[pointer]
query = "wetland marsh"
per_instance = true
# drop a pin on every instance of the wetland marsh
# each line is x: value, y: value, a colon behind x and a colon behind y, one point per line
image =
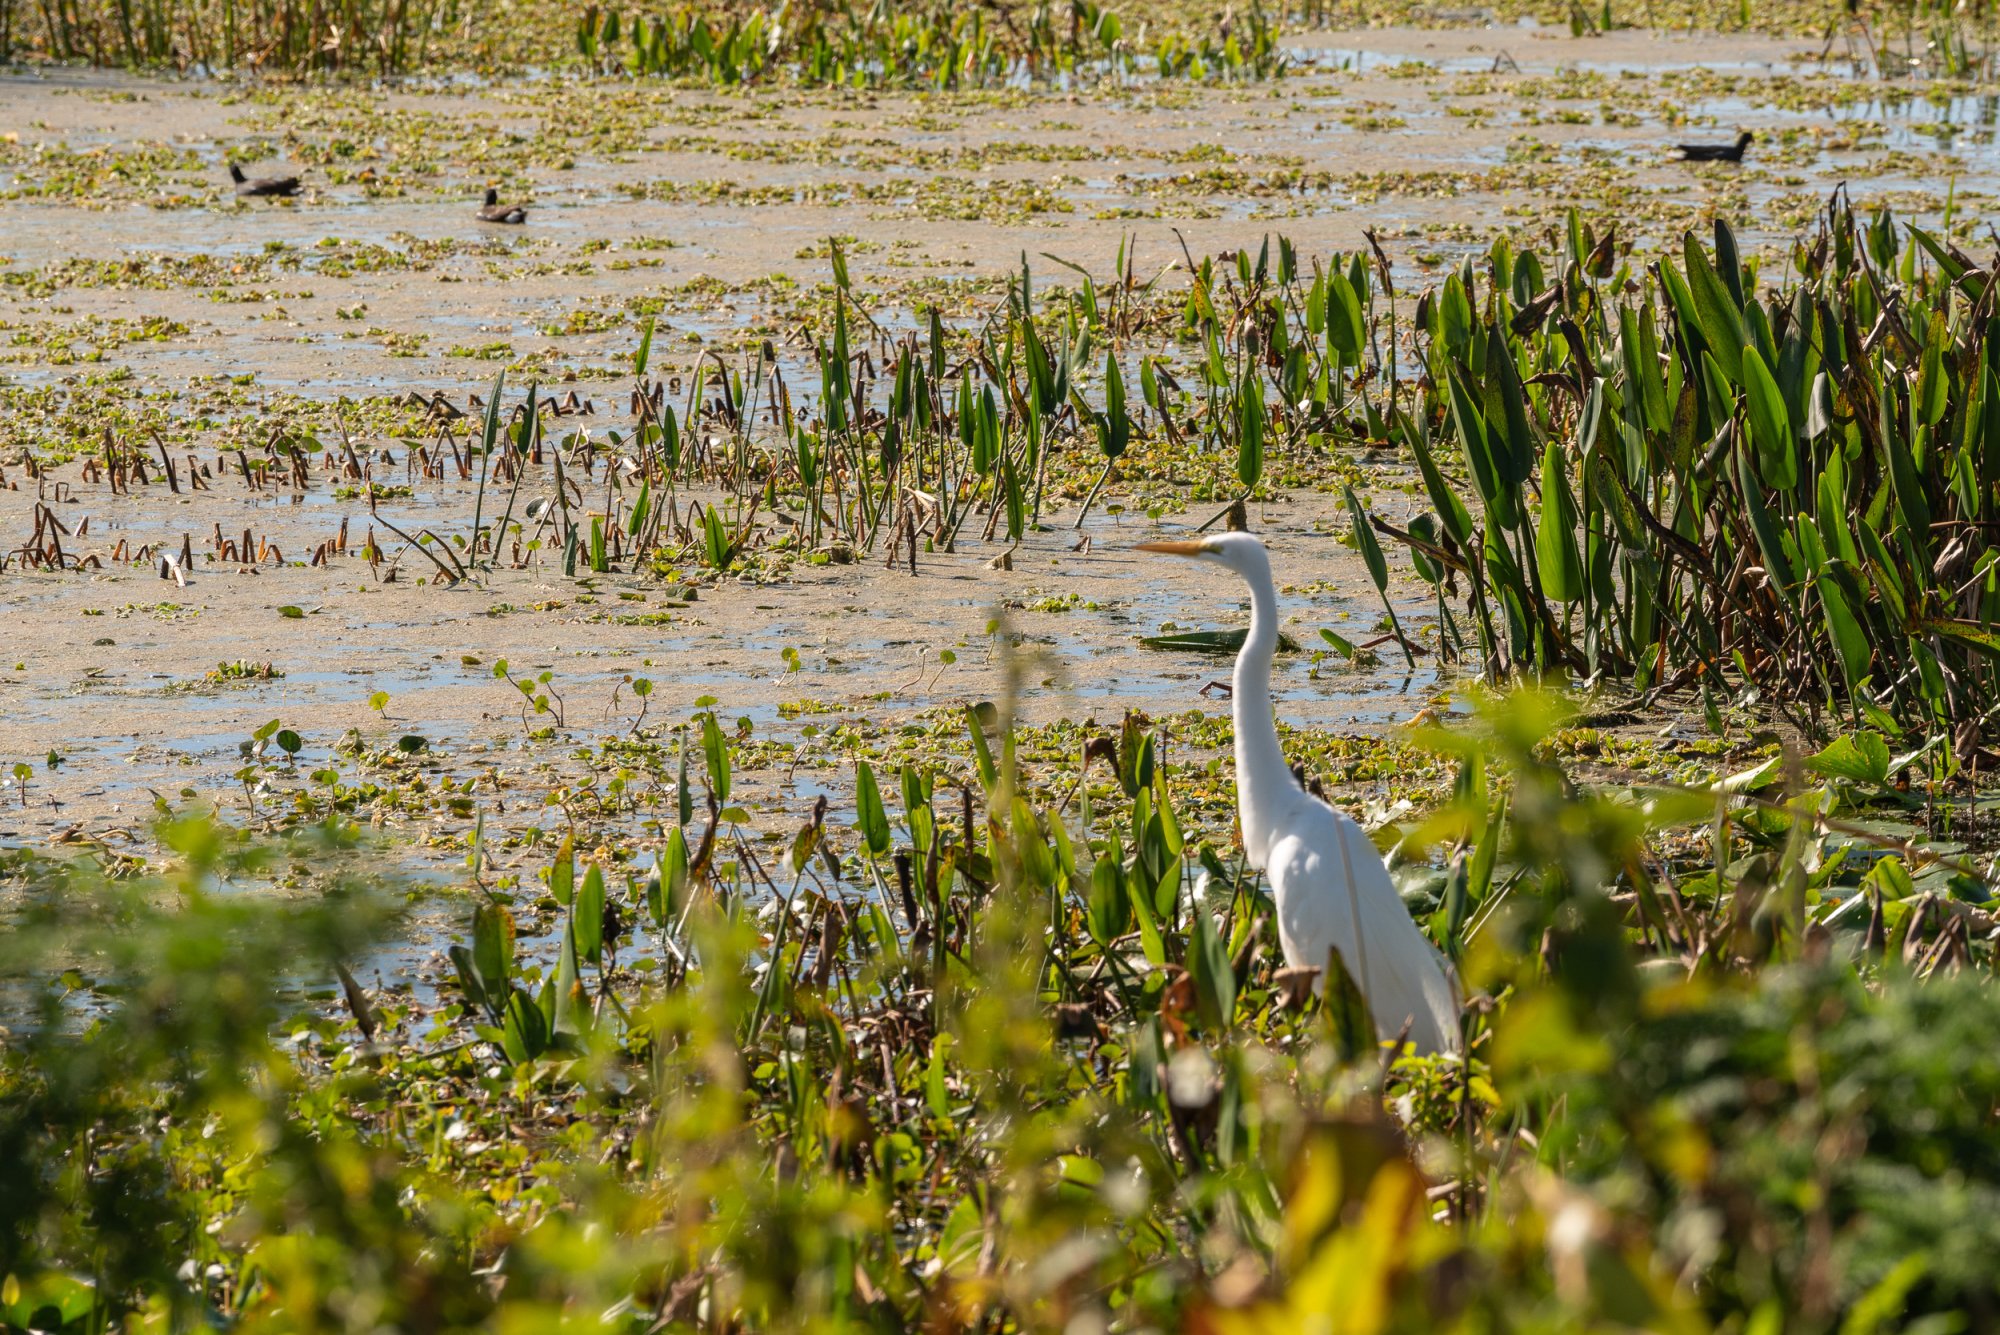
x: 624, y: 770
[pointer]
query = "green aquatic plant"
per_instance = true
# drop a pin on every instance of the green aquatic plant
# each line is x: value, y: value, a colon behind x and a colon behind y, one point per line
x: 908, y: 1059
x: 366, y: 36
x: 818, y: 42
x: 1780, y: 489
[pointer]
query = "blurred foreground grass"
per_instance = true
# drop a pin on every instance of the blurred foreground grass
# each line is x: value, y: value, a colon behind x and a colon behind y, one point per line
x: 1002, y: 1065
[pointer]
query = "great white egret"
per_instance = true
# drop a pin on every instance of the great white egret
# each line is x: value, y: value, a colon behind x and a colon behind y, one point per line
x: 1332, y: 888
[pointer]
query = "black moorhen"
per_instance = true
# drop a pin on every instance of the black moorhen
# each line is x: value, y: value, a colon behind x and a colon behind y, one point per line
x: 496, y: 212
x: 262, y: 187
x: 1716, y: 152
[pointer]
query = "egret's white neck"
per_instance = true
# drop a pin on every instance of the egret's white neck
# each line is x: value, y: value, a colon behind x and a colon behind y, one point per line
x: 1263, y: 780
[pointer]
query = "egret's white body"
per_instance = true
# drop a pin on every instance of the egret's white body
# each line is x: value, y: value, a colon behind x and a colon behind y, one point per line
x: 1332, y: 889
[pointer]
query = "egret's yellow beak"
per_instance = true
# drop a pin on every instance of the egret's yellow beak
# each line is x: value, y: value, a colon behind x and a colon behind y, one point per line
x: 1175, y: 548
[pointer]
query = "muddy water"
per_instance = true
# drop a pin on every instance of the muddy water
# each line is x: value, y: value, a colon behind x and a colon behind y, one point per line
x: 112, y: 679
x: 1417, y: 134
x: 115, y: 664
x: 383, y: 285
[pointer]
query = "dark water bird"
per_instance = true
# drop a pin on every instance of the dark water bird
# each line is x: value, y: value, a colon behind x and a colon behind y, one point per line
x: 496, y: 212
x: 1716, y: 152
x: 262, y: 187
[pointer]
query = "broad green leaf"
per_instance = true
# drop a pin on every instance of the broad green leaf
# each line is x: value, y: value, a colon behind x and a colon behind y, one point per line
x: 716, y: 749
x: 562, y: 872
x: 1556, y: 554
x: 1451, y: 510
x: 1473, y: 439
x: 1770, y: 424
x: 468, y: 976
x: 874, y: 818
x: 989, y: 773
x: 1761, y: 775
x: 1110, y: 907
x: 1149, y: 929
x: 490, y: 429
x: 645, y: 352
x: 590, y: 916
x: 493, y: 946
x: 1364, y: 539
x: 1953, y: 269
x: 936, y: 1094
x: 1933, y: 384
x: 1214, y: 978
x: 1728, y: 266
x: 1345, y: 327
x: 525, y: 1029
x: 1117, y: 431
x: 1769, y: 541
x: 1721, y: 320
x: 1251, y: 424
x: 671, y: 887
x: 1170, y: 829
x: 1862, y: 757
x: 1849, y: 640
x: 572, y: 1006
x: 1983, y: 638
x: 1509, y: 435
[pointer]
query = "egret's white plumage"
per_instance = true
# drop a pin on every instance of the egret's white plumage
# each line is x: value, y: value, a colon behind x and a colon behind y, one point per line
x: 1332, y: 889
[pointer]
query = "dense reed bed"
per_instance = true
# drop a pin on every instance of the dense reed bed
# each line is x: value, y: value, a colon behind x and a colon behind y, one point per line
x: 902, y: 44
x: 804, y: 41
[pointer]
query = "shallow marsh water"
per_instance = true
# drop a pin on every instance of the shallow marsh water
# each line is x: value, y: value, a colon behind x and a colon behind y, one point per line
x: 129, y: 280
